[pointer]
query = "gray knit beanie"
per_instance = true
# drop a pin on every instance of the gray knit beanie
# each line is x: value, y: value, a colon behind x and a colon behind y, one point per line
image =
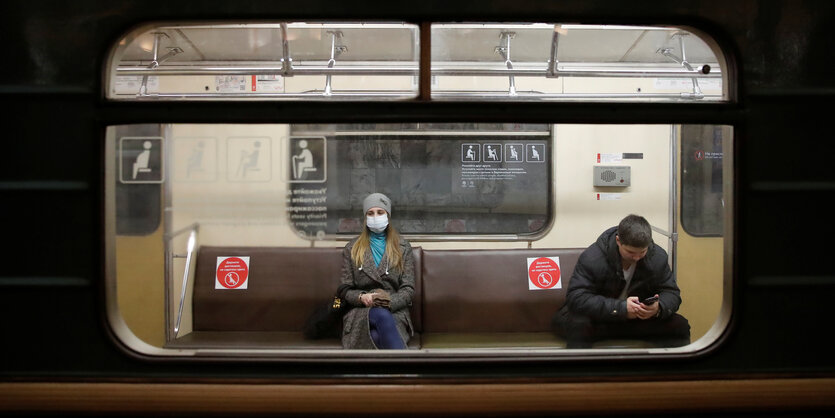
x: 376, y: 200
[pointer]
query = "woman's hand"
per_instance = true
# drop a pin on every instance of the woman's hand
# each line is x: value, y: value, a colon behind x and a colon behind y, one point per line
x: 367, y: 299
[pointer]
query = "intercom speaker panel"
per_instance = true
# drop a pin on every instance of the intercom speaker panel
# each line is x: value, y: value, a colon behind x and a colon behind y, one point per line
x: 612, y: 176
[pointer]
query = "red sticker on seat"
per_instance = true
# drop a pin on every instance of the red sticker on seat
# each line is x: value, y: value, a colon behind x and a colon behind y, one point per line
x: 232, y: 273
x: 544, y: 273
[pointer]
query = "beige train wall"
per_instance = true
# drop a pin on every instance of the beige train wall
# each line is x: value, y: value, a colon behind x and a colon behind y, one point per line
x: 231, y: 211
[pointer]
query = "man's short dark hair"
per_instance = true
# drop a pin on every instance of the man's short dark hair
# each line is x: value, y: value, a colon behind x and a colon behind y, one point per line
x: 635, y: 231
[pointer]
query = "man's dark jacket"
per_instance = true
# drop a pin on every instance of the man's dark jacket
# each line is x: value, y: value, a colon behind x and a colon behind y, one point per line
x: 598, y: 280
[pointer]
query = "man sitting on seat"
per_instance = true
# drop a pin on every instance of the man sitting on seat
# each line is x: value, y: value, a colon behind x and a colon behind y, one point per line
x: 611, y: 292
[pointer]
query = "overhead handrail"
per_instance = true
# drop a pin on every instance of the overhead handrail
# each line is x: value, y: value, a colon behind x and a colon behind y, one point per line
x: 566, y: 69
x: 446, y: 94
x: 667, y: 52
x: 155, y: 62
x: 536, y: 95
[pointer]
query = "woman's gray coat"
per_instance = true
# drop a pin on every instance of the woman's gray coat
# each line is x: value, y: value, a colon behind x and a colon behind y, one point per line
x: 364, y: 279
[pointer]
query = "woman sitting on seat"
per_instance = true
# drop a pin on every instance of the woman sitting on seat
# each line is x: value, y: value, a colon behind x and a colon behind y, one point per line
x: 378, y: 271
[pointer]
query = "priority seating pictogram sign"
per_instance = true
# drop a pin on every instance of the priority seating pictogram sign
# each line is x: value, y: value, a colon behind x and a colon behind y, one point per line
x: 232, y: 273
x: 544, y: 273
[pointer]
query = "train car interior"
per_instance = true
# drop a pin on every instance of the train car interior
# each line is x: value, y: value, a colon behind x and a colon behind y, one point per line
x: 483, y: 204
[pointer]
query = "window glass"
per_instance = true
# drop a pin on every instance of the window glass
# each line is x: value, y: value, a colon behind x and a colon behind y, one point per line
x: 702, y: 201
x: 138, y: 201
x: 501, y: 61
x: 182, y: 199
x: 380, y: 61
x: 266, y: 61
x: 448, y: 180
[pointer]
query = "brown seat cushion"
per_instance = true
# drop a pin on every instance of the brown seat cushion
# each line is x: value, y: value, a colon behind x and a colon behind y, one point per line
x: 475, y: 291
x: 285, y: 285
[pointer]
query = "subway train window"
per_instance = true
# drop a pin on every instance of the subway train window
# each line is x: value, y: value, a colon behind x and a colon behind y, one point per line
x: 500, y: 61
x: 243, y: 229
x: 266, y: 61
x: 381, y: 61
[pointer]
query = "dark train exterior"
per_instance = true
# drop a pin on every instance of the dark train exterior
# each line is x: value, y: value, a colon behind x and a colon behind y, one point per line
x: 57, y: 346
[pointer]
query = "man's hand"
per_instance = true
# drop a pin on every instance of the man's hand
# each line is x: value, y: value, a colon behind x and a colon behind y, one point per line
x: 636, y: 309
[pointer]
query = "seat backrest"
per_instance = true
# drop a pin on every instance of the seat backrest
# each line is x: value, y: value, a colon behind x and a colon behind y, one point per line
x: 489, y: 291
x: 284, y: 286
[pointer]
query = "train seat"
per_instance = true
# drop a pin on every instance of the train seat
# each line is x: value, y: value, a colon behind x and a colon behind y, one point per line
x: 283, y: 287
x: 485, y: 298
x: 463, y: 298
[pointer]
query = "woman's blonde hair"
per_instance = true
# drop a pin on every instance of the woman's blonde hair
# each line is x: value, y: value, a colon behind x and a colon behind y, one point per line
x: 393, y: 252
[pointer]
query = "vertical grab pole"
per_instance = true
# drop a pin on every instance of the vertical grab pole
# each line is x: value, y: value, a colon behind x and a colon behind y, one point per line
x: 504, y: 51
x: 191, y: 240
x: 554, y: 62
x: 331, y: 62
x: 673, y: 196
x: 286, y: 62
x: 336, y: 50
x: 143, y: 88
x: 697, y: 90
x: 511, y: 79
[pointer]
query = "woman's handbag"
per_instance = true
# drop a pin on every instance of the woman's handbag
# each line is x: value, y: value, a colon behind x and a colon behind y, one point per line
x: 326, y: 320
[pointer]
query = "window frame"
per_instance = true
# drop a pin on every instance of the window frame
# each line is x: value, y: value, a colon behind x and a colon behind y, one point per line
x: 724, y: 113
